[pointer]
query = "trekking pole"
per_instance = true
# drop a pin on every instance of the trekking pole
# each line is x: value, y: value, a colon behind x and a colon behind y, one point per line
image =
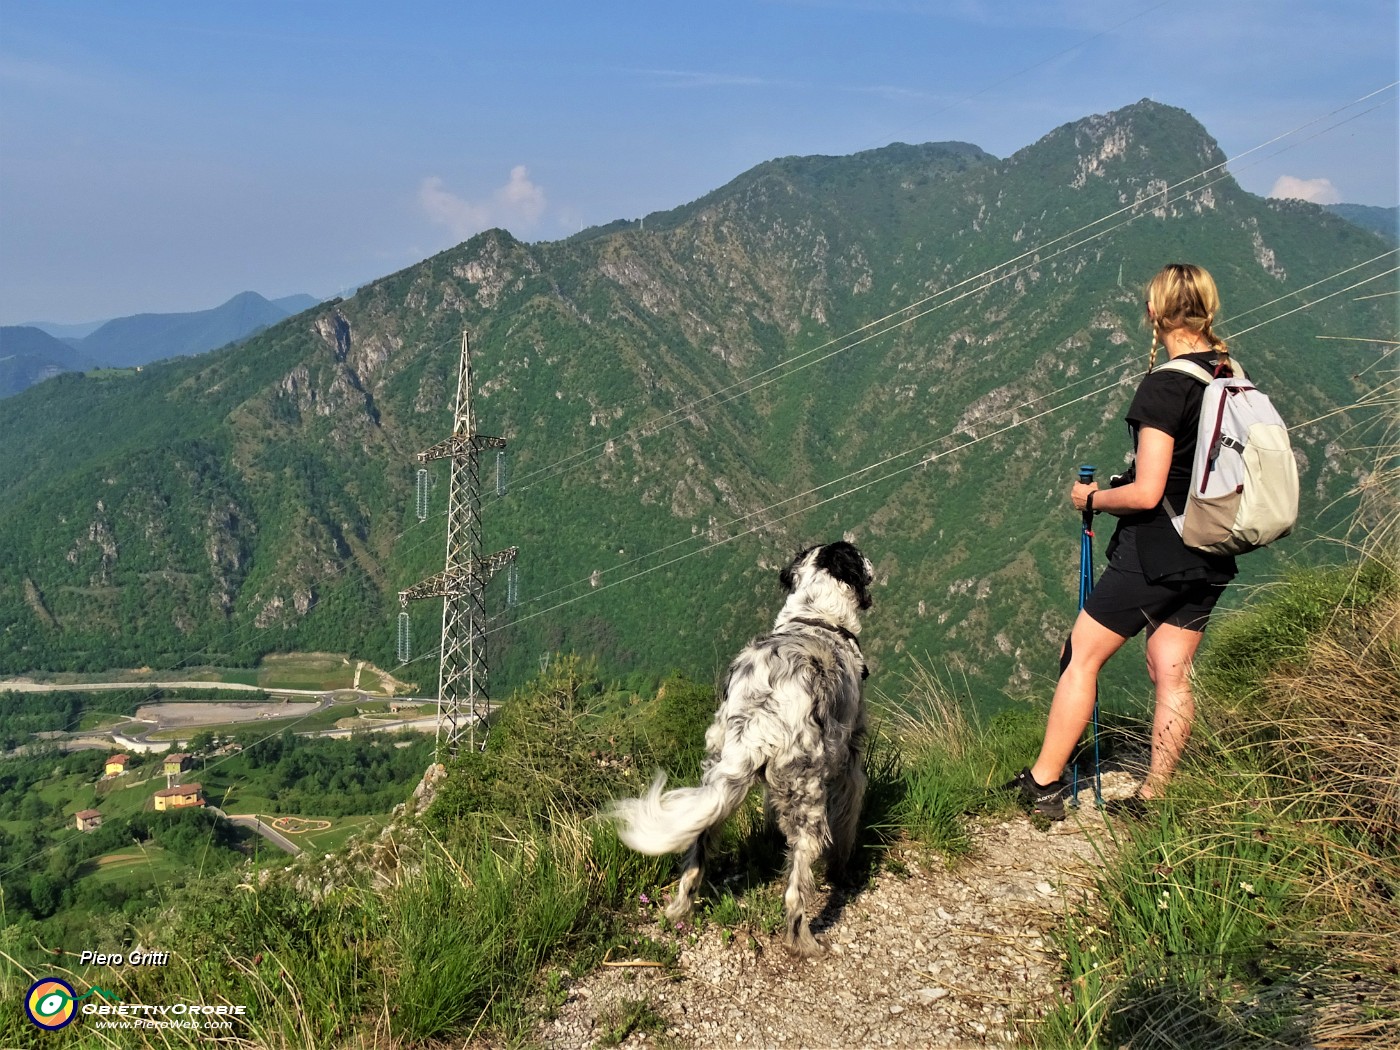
x: 1086, y: 584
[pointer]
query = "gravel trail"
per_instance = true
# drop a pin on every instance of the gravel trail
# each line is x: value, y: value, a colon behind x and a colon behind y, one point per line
x: 922, y: 956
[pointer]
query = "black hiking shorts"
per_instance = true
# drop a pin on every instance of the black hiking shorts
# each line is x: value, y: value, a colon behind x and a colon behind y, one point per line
x: 1125, y: 603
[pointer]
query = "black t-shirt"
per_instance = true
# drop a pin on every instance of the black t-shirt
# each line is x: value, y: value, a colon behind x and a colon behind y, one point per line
x: 1171, y: 402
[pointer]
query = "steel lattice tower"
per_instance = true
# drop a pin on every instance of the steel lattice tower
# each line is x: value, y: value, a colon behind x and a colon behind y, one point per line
x: 462, y: 686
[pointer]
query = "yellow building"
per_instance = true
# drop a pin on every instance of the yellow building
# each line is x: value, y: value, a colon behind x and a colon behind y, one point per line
x: 116, y: 764
x: 175, y: 764
x: 179, y: 796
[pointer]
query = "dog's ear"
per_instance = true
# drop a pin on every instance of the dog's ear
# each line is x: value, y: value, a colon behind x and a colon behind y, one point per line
x: 843, y: 561
x: 788, y: 577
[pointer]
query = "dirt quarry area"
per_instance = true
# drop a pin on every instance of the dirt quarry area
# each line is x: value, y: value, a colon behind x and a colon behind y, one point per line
x: 172, y: 716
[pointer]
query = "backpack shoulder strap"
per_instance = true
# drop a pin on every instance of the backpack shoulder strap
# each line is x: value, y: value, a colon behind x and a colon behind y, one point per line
x: 1189, y: 368
x: 1205, y: 375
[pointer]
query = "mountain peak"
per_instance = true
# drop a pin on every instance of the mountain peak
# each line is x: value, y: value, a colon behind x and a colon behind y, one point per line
x: 1146, y: 146
x: 243, y: 300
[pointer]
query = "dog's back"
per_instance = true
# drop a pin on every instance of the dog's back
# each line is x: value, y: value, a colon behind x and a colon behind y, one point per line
x: 789, y: 695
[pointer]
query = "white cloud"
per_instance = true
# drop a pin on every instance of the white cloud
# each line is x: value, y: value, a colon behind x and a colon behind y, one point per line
x: 518, y: 205
x: 522, y: 197
x: 1318, y: 191
x: 460, y: 216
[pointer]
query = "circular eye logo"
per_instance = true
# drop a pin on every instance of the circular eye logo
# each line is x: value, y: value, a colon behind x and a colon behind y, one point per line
x: 49, y: 1003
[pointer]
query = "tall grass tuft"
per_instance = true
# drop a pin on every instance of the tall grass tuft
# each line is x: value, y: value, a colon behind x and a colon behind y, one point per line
x: 470, y: 932
x: 951, y: 758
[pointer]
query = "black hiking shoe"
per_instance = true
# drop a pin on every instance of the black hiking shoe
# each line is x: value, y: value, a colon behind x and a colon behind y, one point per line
x: 1046, y: 799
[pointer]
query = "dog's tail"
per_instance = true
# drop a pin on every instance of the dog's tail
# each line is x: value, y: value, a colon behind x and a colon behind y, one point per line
x: 669, y: 821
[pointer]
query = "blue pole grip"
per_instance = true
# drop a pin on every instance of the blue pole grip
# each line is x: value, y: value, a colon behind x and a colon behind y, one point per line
x: 1086, y: 473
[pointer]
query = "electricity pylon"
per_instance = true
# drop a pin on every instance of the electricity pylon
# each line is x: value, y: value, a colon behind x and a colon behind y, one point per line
x: 463, y: 699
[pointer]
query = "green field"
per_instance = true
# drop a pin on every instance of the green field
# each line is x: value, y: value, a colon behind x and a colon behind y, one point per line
x: 101, y: 720
x: 224, y: 729
x: 238, y: 798
x: 316, y: 671
x: 306, y: 671
x: 149, y: 863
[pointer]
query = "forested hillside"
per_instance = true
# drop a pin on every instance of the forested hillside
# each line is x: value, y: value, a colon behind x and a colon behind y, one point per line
x: 912, y: 347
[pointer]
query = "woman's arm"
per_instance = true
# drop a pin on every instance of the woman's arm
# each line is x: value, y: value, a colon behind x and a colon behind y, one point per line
x: 1153, y: 461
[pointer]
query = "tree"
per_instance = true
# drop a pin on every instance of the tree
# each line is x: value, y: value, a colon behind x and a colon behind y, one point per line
x: 45, y: 894
x: 32, y: 808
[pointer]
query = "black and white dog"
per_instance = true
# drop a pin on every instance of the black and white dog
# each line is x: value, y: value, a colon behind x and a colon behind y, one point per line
x: 792, y: 714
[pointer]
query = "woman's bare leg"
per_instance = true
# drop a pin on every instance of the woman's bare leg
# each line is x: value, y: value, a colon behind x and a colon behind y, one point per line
x: 1091, y: 644
x: 1170, y: 651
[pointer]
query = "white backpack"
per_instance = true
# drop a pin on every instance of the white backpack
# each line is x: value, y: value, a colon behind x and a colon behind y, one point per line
x: 1244, y: 480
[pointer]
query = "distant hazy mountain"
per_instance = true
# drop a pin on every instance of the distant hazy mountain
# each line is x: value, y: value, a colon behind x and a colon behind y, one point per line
x: 74, y: 333
x: 137, y: 340
x: 29, y: 356
x: 295, y: 304
x: 66, y: 332
x: 1384, y: 221
x: 143, y: 338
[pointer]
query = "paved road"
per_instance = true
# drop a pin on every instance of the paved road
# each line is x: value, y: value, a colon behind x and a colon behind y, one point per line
x: 267, y: 831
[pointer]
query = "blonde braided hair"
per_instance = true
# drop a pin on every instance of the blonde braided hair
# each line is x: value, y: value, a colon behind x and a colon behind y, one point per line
x: 1183, y: 296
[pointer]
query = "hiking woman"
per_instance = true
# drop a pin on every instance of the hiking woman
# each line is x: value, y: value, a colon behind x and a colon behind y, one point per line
x: 1153, y: 580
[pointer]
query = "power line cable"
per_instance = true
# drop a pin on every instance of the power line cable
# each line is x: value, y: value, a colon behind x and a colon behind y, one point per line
x: 828, y: 484
x: 803, y: 510
x: 1329, y: 295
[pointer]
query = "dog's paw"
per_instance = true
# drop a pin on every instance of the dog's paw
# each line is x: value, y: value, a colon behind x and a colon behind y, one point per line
x: 804, y: 945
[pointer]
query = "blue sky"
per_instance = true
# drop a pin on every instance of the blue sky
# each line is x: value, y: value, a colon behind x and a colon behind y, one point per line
x: 159, y: 156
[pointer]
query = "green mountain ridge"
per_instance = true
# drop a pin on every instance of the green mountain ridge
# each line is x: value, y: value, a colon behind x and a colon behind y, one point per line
x: 913, y: 347
x: 1384, y: 222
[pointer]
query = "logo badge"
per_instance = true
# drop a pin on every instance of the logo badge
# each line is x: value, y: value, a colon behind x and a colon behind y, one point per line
x: 49, y: 1003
